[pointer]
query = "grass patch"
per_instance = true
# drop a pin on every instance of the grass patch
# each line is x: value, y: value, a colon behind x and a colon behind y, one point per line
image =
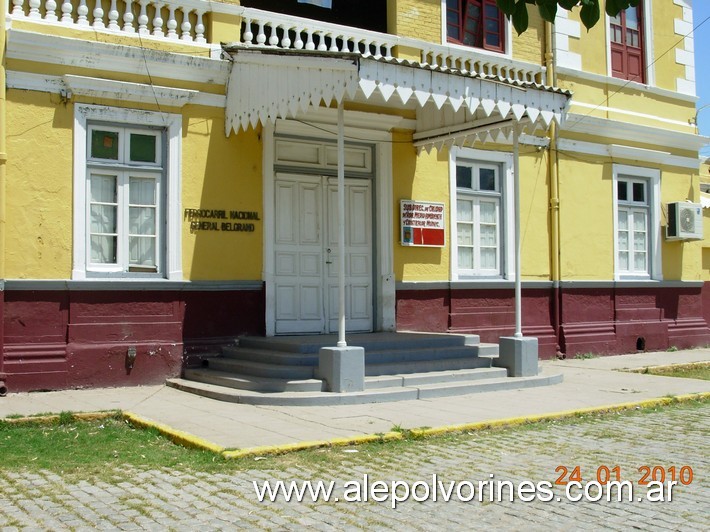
x: 70, y: 445
x: 700, y: 370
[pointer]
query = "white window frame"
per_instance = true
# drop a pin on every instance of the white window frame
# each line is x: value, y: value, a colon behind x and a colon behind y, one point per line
x: 507, y: 24
x: 170, y: 252
x: 652, y: 178
x: 504, y: 161
x: 648, y: 55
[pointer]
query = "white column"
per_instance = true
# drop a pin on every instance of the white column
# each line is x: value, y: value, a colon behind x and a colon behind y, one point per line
x: 341, y: 226
x: 516, y: 214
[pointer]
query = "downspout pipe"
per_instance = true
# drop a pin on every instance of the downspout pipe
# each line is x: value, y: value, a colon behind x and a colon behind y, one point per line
x: 3, y: 169
x: 553, y: 172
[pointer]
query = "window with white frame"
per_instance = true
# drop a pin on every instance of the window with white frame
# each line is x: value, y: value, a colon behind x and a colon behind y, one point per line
x: 636, y: 222
x: 124, y: 199
x: 126, y: 194
x: 478, y: 218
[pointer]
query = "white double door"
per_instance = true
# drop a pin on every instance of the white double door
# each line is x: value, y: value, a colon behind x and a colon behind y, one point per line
x: 306, y: 255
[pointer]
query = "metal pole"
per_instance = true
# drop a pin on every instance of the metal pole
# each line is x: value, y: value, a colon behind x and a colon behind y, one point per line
x: 341, y: 226
x: 516, y: 213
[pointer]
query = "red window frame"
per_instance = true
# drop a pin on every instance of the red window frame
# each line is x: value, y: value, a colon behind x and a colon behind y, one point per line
x: 627, y: 47
x: 477, y: 23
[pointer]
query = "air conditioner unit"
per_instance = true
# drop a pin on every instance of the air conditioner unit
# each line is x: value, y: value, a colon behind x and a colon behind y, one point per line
x: 685, y: 221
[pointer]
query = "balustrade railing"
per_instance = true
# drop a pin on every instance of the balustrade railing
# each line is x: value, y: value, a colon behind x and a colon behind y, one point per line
x: 267, y: 29
x: 186, y: 21
x: 183, y: 20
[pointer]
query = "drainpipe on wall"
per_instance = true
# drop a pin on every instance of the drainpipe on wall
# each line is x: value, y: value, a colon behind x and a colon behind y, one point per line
x: 3, y: 164
x: 553, y: 172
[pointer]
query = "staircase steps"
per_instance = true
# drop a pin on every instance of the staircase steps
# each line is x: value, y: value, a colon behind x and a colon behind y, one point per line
x: 398, y: 366
x: 370, y: 395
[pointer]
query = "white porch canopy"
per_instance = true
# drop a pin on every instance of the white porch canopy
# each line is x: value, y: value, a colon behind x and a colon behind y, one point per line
x: 452, y: 106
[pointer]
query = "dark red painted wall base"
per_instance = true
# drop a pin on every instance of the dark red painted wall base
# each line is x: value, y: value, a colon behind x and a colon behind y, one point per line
x: 592, y: 320
x: 82, y: 339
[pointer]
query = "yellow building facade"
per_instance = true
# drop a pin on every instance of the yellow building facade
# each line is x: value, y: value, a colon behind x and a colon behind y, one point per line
x: 170, y: 179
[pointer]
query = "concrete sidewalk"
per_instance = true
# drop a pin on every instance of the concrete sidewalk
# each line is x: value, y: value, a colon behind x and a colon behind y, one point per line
x: 587, y: 383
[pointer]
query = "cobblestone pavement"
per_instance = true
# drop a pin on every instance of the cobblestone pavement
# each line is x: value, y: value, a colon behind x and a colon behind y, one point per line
x: 181, y: 500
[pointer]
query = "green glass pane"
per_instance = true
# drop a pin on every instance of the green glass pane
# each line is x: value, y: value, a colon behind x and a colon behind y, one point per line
x: 621, y: 191
x: 143, y: 148
x: 104, y: 144
x: 464, y: 177
x: 487, y: 179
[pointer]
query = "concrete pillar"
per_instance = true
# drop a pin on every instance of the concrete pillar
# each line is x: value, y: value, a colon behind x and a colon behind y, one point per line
x: 518, y: 355
x: 342, y: 368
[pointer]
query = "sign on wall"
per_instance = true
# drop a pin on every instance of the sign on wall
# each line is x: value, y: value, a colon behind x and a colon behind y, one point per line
x: 221, y: 220
x: 422, y: 223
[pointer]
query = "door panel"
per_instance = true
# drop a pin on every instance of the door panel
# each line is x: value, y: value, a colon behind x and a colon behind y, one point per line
x: 298, y: 254
x: 358, y: 252
x: 306, y: 255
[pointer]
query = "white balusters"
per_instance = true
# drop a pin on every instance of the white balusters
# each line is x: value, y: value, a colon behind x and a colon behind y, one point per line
x: 67, y: 9
x: 333, y: 42
x: 50, y: 14
x: 98, y: 15
x: 158, y: 22
x: 82, y: 12
x: 298, y: 43
x: 273, y: 37
x: 248, y: 36
x: 186, y: 26
x: 113, y: 16
x: 185, y: 21
x: 143, y: 18
x: 128, y: 18
x: 17, y: 10
x: 200, y: 29
x: 321, y: 42
x: 34, y: 9
x: 261, y: 36
x: 286, y: 40
x: 172, y: 23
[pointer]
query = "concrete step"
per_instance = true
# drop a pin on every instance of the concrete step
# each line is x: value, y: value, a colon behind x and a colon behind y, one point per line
x: 433, y: 377
x: 390, y: 356
x: 369, y: 341
x: 374, y: 395
x: 253, y: 383
x: 222, y: 393
x: 424, y: 366
x: 402, y: 353
x: 262, y: 369
x: 488, y: 385
x: 487, y: 350
x: 270, y: 356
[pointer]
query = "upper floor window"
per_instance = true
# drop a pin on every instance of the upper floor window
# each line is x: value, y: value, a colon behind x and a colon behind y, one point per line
x: 627, y: 45
x: 477, y: 23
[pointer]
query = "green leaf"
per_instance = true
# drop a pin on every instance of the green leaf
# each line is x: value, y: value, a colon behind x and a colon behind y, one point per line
x: 548, y: 9
x: 589, y: 14
x: 520, y: 17
x: 568, y: 4
x: 506, y: 6
x: 612, y: 7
